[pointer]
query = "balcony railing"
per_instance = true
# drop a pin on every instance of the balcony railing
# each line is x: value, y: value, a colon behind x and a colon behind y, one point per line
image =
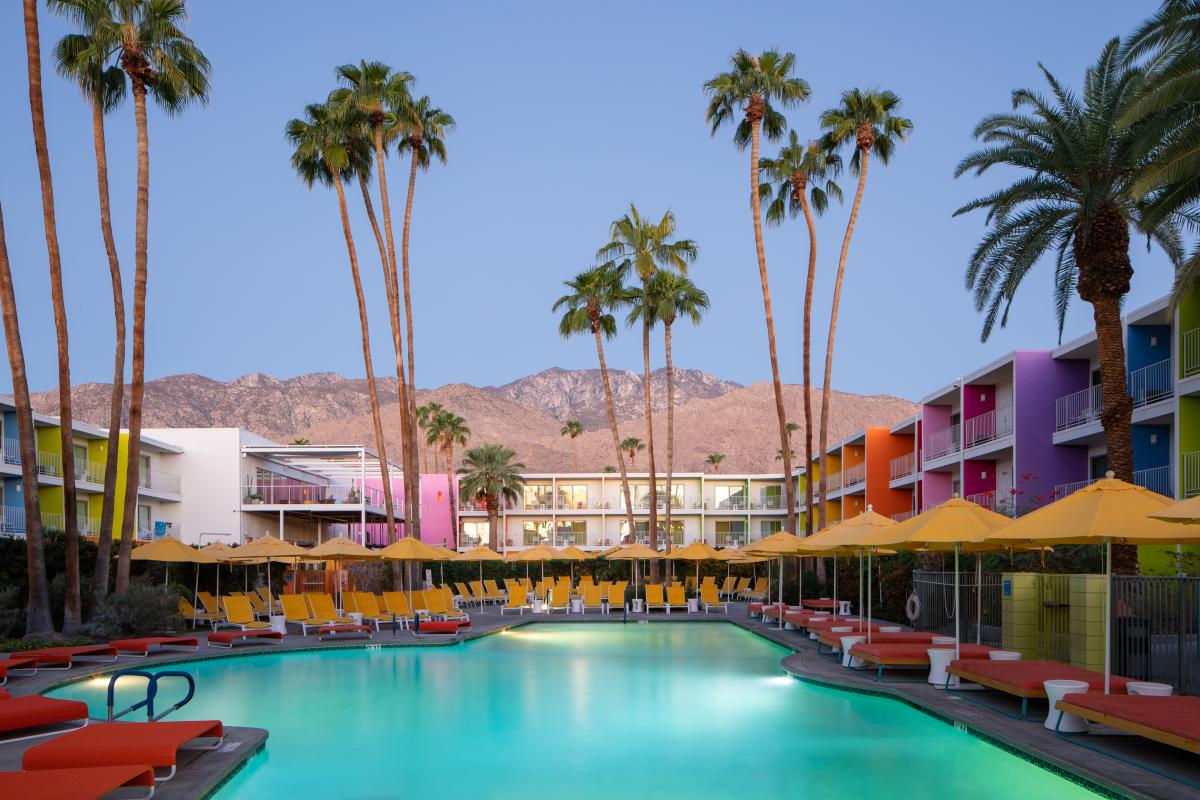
x: 1152, y: 383
x: 12, y: 520
x: 903, y: 515
x: 985, y: 499
x: 731, y: 538
x: 49, y: 463
x: 159, y: 481
x: 732, y: 504
x: 1189, y: 353
x: 1078, y: 408
x: 767, y: 503
x: 854, y: 475
x: 988, y: 427
x: 89, y: 471
x: 1064, y: 489
x: 272, y: 493
x: 940, y: 444
x: 833, y: 481
x: 903, y: 466
x: 1156, y: 479
x: 1191, y: 474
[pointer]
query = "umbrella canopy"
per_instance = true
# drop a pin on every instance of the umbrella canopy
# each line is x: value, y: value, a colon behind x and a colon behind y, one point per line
x: 848, y: 535
x: 956, y: 521
x: 480, y: 553
x: 171, y: 551
x: 269, y: 547
x: 221, y: 552
x: 780, y: 543
x: 411, y: 548
x: 539, y: 552
x: 632, y: 552
x: 696, y: 551
x: 1105, y: 512
x: 341, y: 549
x: 573, y: 553
x: 1186, y: 512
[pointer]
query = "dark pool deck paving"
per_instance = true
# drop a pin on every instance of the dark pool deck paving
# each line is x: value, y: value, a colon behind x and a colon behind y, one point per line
x: 205, y: 772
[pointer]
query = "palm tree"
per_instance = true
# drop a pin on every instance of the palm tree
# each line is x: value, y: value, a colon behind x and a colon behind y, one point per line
x: 673, y: 296
x: 1077, y: 202
x: 802, y: 176
x: 779, y: 454
x: 37, y: 603
x: 419, y: 128
x: 609, y: 468
x: 426, y: 415
x: 490, y: 476
x: 78, y: 57
x: 632, y: 445
x: 593, y: 295
x: 574, y: 429
x: 638, y: 243
x: 146, y: 40
x: 750, y: 88
x: 329, y: 151
x: 373, y: 90
x: 714, y: 460
x: 72, y: 616
x: 868, y: 119
x: 446, y: 430
x: 300, y: 442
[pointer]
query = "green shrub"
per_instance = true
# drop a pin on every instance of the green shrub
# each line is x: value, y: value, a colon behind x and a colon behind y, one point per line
x: 142, y: 609
x: 12, y: 612
x: 20, y: 645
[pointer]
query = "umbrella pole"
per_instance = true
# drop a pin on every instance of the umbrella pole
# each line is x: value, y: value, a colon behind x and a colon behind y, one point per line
x: 868, y: 596
x: 196, y: 587
x: 1108, y: 607
x: 957, y: 624
x: 978, y: 599
x: 835, y: 602
x: 780, y: 609
x: 860, y: 590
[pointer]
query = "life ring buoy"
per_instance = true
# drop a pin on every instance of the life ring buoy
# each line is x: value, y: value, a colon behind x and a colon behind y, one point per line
x: 912, y: 609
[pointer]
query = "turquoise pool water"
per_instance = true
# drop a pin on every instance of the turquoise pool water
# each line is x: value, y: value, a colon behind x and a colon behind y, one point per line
x: 597, y: 711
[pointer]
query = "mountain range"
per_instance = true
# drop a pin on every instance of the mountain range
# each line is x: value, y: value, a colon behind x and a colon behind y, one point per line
x: 711, y: 415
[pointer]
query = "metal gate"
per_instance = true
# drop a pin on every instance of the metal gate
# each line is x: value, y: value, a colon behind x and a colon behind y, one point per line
x: 1054, y: 618
x: 1155, y: 622
x: 979, y: 604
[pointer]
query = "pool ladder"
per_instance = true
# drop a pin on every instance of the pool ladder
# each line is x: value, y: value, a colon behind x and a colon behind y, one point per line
x: 152, y: 679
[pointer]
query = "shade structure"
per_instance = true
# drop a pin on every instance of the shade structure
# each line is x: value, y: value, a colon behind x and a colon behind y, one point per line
x: 633, y: 553
x: 169, y: 551
x: 1185, y: 512
x: 697, y: 552
x: 339, y: 550
x: 410, y: 548
x: 481, y: 554
x: 266, y: 549
x: 572, y: 553
x: 778, y: 544
x: 1108, y: 511
x: 447, y: 555
x: 540, y: 553
x: 221, y: 552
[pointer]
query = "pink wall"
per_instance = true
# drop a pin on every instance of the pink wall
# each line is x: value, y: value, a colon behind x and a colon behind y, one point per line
x: 972, y: 476
x: 978, y: 398
x: 435, y: 511
x: 938, y: 489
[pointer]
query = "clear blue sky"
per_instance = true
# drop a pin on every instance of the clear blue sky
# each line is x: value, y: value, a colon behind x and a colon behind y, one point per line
x: 566, y: 113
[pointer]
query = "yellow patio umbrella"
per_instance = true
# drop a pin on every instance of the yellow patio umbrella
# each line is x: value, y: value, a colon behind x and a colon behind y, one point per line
x: 697, y: 552
x: 220, y: 552
x: 780, y: 543
x: 169, y: 550
x: 447, y: 555
x: 573, y: 554
x: 266, y: 549
x: 633, y: 553
x: 339, y: 550
x: 481, y: 554
x: 1108, y: 511
x: 410, y: 548
x: 846, y: 537
x: 539, y: 552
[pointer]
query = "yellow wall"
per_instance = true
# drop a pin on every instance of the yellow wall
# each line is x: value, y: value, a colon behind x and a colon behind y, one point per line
x: 119, y: 488
x: 49, y: 439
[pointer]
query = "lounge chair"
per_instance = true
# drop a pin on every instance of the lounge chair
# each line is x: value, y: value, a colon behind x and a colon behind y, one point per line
x: 295, y: 612
x: 654, y: 597
x: 509, y: 583
x: 321, y: 605
x: 727, y: 587
x: 759, y: 592
x: 616, y: 596
x: 397, y: 603
x: 110, y: 744
x: 144, y: 646
x: 416, y: 601
x: 604, y: 587
x: 239, y: 614
x: 708, y: 580
x: 210, y: 603
x: 65, y: 657
x: 742, y: 585
x: 256, y: 603
x: 516, y: 600
x: 560, y: 599
x: 464, y: 594
x: 366, y: 605
x: 226, y: 639
x: 35, y: 712
x: 435, y: 604
x: 1026, y: 679
x: 893, y: 654
x: 479, y: 594
x: 676, y: 598
x: 189, y: 611
x: 593, y: 598
x: 79, y: 783
x: 709, y: 598
x: 833, y: 639
x: 494, y: 591
x: 15, y: 664
x: 272, y: 603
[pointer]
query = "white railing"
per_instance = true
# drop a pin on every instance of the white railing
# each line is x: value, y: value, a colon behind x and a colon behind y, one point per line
x: 988, y: 427
x: 940, y: 444
x: 1078, y: 408
x: 88, y: 526
x: 732, y: 504
x: 985, y: 499
x: 1189, y: 352
x: 1191, y: 474
x: 89, y: 471
x: 767, y: 503
x: 903, y: 466
x: 1063, y: 489
x: 53, y: 522
x: 159, y: 481
x: 12, y: 451
x: 833, y: 482
x: 854, y: 475
x: 1152, y: 383
x: 284, y: 492
x: 903, y: 515
x: 12, y: 520
x: 49, y: 463
x: 1156, y: 479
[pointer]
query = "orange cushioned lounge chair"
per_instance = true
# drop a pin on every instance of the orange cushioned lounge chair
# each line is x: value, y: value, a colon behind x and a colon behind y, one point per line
x: 110, y: 744
x: 833, y: 639
x: 65, y: 657
x: 884, y: 655
x: 144, y: 646
x: 1026, y: 679
x: 26, y: 713
x: 16, y: 665
x: 85, y: 783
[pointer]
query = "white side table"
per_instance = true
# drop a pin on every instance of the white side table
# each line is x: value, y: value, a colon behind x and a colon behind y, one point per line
x: 577, y: 605
x: 1149, y: 688
x: 812, y: 635
x: 848, y: 642
x: 1055, y: 691
x: 279, y: 623
x: 539, y: 607
x: 356, y: 616
x: 943, y: 640
x: 843, y: 609
x: 1004, y: 655
x: 890, y: 628
x: 635, y: 605
x: 693, y: 605
x: 939, y: 660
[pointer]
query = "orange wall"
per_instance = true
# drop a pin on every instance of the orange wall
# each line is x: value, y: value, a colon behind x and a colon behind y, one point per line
x: 882, y: 447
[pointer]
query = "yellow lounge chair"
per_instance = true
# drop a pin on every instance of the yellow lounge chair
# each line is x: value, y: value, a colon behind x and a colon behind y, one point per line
x: 509, y: 583
x: 272, y: 603
x: 210, y: 603
x: 676, y: 598
x: 435, y: 604
x: 189, y: 611
x: 758, y: 593
x: 516, y: 600
x: 365, y: 603
x: 396, y: 603
x: 710, y: 599
x: 478, y: 593
x: 256, y: 602
x: 616, y: 596
x: 349, y: 604
x: 543, y: 588
x: 461, y: 593
x: 528, y: 584
x: 416, y: 602
x: 560, y: 598
x: 593, y: 598
x: 239, y: 614
x: 654, y: 597
x: 494, y: 591
x: 708, y: 579
x: 295, y: 611
x: 321, y: 605
x: 727, y: 587
x: 743, y: 585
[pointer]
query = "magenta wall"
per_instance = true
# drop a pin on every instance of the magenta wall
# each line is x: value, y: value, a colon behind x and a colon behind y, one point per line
x: 972, y: 405
x: 973, y: 481
x: 1039, y: 464
x: 436, y: 528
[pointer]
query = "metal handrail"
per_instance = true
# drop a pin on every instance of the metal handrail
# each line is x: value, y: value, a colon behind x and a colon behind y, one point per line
x: 1078, y: 408
x: 1152, y: 383
x: 903, y: 466
x: 151, y: 692
x: 942, y: 443
x: 988, y: 426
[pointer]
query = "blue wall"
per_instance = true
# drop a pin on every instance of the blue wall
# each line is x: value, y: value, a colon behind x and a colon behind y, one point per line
x: 1146, y: 455
x: 12, y: 493
x: 1141, y: 353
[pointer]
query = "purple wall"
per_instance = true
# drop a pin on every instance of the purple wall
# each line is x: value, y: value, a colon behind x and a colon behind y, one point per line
x: 973, y: 481
x: 1040, y: 464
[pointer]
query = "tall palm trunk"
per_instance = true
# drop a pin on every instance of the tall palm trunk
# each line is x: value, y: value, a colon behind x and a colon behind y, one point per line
x: 376, y: 418
x: 612, y: 424
x: 116, y: 399
x: 756, y: 209
x: 408, y: 317
x: 653, y: 526
x: 807, y: 345
x: 449, y: 446
x: 412, y: 523
x: 72, y: 616
x: 864, y: 162
x: 492, y: 503
x: 37, y: 603
x: 574, y: 455
x: 133, y: 446
x: 670, y: 439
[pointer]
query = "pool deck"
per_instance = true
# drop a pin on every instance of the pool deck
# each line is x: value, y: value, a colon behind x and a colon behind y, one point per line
x: 205, y: 772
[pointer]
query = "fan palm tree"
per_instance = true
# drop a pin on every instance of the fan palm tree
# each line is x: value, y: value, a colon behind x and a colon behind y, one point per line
x: 714, y: 460
x: 72, y: 616
x: 632, y: 445
x: 490, y: 476
x: 574, y: 429
x: 753, y: 87
x: 146, y: 40
x: 426, y: 415
x: 645, y: 246
x: 866, y: 120
x: 445, y: 431
x: 374, y: 90
x: 587, y: 308
x: 300, y: 442
x: 37, y: 603
x: 1075, y: 202
x: 801, y: 178
x: 674, y: 296
x: 78, y: 58
x: 329, y: 151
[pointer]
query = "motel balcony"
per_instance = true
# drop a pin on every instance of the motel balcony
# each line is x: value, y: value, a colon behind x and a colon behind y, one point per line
x: 48, y: 464
x: 902, y: 467
x: 1189, y: 353
x: 291, y: 493
x: 1150, y: 384
x: 1156, y: 479
x: 12, y: 522
x: 993, y: 428
x: 903, y: 515
x: 156, y: 481
x: 942, y: 445
x: 854, y: 476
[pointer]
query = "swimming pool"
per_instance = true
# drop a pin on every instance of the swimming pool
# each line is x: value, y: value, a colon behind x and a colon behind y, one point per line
x: 583, y: 711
